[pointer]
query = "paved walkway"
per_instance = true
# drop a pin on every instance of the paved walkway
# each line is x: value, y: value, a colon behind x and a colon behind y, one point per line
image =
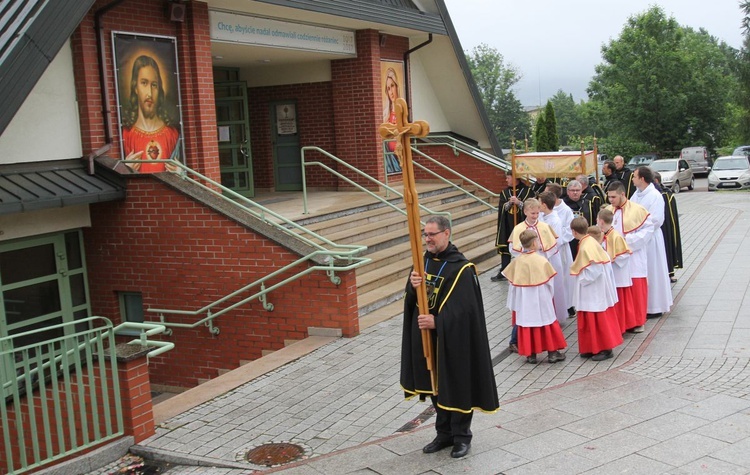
x: 675, y: 399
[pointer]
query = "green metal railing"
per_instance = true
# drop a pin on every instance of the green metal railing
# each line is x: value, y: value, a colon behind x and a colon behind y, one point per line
x: 359, y: 172
x: 60, y: 392
x: 468, y: 150
x: 337, y: 257
x: 146, y: 330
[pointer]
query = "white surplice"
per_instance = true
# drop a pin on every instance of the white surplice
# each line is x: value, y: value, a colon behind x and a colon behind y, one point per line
x: 659, y: 289
x: 562, y: 294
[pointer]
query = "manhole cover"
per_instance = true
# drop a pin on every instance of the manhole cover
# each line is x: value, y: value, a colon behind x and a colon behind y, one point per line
x: 277, y: 453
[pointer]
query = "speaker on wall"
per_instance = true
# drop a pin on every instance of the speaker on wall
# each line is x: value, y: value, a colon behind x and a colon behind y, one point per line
x: 177, y: 12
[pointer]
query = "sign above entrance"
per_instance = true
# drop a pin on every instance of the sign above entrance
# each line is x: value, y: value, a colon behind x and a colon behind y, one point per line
x: 244, y: 29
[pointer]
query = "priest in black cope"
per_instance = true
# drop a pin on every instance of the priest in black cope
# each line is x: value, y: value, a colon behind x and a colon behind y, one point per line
x: 509, y: 213
x: 458, y: 328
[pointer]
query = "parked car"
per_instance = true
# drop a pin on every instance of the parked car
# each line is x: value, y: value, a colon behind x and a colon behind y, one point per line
x: 741, y: 150
x: 697, y: 157
x: 675, y: 173
x: 643, y: 159
x: 730, y: 173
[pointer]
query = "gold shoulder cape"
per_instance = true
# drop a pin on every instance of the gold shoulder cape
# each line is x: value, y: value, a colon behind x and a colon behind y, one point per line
x: 547, y: 236
x: 530, y: 269
x: 633, y: 216
x: 616, y: 244
x: 589, y: 252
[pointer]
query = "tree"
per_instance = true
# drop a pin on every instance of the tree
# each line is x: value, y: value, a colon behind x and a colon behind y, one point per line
x: 495, y: 81
x: 663, y: 84
x: 550, y: 123
x: 743, y: 115
x: 567, y: 117
x: 541, y: 141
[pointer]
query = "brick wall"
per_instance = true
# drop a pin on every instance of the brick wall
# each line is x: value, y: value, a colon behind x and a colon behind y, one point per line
x: 181, y: 255
x: 314, y: 111
x: 488, y: 176
x: 196, y: 76
x: 358, y: 108
x: 135, y: 393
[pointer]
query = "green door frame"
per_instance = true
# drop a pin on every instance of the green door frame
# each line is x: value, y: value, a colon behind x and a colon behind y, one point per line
x: 65, y: 271
x: 236, y: 164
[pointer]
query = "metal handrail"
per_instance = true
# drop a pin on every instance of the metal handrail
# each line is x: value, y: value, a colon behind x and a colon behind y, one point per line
x: 224, y: 193
x: 460, y: 146
x: 146, y: 330
x: 467, y: 193
x: 261, y: 295
x: 341, y: 252
x: 355, y: 184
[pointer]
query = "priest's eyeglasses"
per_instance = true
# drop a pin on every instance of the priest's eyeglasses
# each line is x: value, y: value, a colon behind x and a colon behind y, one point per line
x: 431, y: 235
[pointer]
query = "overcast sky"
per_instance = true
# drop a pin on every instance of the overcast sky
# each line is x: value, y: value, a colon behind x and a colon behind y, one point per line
x: 556, y: 44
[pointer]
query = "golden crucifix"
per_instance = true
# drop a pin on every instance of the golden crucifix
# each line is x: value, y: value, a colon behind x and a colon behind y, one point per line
x: 402, y: 131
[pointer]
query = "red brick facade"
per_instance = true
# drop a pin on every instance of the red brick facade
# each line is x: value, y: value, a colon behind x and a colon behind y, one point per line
x: 136, y: 407
x: 314, y: 111
x: 182, y: 255
x: 195, y: 68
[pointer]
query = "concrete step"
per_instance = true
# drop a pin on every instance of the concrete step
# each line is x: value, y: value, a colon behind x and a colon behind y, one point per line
x: 382, y: 286
x: 370, y: 217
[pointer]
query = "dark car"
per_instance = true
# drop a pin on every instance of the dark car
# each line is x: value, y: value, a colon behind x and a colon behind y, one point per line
x: 642, y: 160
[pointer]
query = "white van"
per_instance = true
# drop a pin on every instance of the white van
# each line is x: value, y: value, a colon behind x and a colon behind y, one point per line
x: 697, y: 157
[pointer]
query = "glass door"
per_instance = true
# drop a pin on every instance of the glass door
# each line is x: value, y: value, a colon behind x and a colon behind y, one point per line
x: 233, y: 125
x: 42, y: 283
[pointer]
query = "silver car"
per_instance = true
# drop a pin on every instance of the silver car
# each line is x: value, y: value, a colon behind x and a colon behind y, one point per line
x: 730, y: 173
x: 675, y: 173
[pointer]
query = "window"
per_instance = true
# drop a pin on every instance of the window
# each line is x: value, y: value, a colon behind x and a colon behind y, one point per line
x: 131, y: 310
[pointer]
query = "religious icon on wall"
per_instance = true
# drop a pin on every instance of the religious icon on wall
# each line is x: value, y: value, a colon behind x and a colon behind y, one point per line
x: 392, y: 82
x: 148, y: 100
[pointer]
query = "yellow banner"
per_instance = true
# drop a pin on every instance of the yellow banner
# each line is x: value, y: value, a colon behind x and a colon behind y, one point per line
x: 555, y: 164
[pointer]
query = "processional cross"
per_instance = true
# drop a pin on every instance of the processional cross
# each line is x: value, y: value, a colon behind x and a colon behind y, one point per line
x: 402, y: 131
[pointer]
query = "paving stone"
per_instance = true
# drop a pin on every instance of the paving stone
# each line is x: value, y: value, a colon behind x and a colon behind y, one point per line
x: 710, y: 466
x: 683, y: 449
x: 632, y: 464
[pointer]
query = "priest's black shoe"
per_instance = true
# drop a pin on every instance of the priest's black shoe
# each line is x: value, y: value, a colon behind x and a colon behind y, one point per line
x: 498, y: 278
x: 460, y: 449
x: 437, y: 445
x: 653, y: 315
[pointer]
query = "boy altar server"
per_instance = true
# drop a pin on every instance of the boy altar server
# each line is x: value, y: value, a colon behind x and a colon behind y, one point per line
x: 594, y: 296
x: 530, y: 301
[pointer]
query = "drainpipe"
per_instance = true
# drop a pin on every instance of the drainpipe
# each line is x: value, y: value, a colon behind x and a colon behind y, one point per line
x: 102, y: 62
x: 407, y: 76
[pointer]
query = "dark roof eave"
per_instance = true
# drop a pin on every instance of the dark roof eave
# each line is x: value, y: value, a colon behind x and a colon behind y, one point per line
x: 32, y: 48
x: 372, y: 12
x: 69, y: 185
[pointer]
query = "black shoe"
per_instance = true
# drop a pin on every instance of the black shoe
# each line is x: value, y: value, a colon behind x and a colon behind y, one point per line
x: 437, y: 445
x: 513, y: 348
x: 531, y: 359
x: 653, y: 315
x: 498, y: 278
x: 555, y: 356
x: 586, y: 355
x: 572, y: 312
x: 602, y: 355
x: 460, y: 449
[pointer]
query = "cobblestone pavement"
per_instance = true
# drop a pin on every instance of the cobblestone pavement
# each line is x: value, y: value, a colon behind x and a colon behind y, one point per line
x: 345, y: 395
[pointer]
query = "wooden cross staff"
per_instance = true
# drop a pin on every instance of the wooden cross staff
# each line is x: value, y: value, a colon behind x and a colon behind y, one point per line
x: 402, y: 131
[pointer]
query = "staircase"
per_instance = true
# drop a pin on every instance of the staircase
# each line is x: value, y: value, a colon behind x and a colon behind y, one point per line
x: 385, y: 233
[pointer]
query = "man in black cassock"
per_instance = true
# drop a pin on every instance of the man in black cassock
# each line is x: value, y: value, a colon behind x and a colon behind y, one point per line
x: 590, y: 190
x: 624, y: 175
x: 670, y: 229
x: 580, y: 207
x: 510, y: 205
x: 465, y: 379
